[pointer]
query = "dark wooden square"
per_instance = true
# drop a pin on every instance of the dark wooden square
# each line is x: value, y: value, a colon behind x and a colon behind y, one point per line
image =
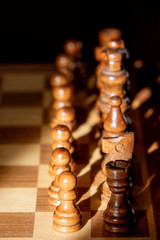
x: 46, y: 152
x: 21, y: 99
x: 42, y: 204
x: 18, y: 176
x: 20, y: 134
x: 140, y: 229
x: 16, y: 225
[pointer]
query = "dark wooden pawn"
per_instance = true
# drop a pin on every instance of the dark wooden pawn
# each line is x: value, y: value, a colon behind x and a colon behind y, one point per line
x: 60, y: 161
x: 67, y: 216
x: 119, y: 216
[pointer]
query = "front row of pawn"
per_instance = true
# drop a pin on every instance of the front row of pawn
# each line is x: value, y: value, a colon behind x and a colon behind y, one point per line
x: 118, y: 216
x: 62, y: 193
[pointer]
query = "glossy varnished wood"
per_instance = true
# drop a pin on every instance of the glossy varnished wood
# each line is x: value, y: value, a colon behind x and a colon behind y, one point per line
x: 67, y: 216
x: 119, y: 216
x: 60, y: 162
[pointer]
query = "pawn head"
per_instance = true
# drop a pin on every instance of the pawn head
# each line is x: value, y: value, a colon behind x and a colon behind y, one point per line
x: 115, y: 101
x: 61, y: 156
x: 67, y: 181
x: 61, y: 133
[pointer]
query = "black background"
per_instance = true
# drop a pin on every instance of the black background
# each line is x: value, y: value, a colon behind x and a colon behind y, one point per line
x: 32, y: 31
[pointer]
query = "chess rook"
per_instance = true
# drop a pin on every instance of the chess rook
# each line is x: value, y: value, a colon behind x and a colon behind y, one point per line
x: 60, y: 162
x: 67, y: 216
x: 119, y: 216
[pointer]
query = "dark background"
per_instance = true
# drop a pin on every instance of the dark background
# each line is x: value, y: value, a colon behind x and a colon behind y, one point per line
x: 34, y: 31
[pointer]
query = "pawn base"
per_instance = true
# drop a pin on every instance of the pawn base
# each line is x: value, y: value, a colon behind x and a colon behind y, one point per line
x: 53, y: 202
x: 72, y: 228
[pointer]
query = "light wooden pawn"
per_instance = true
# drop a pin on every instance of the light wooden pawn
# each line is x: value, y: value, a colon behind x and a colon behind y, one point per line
x: 60, y: 159
x: 61, y: 136
x: 64, y: 116
x: 67, y: 216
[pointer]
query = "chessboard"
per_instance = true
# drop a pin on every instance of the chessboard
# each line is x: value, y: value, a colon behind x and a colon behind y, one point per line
x: 25, y: 153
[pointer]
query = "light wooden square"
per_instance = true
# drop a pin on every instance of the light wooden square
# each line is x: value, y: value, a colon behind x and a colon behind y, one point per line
x: 19, y: 154
x: 43, y: 228
x: 18, y: 199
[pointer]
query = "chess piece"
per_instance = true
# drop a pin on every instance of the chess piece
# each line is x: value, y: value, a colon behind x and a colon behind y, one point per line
x: 104, y: 36
x: 58, y: 79
x: 65, y: 65
x: 73, y: 47
x: 61, y: 92
x: 62, y: 97
x: 61, y: 136
x: 60, y: 162
x: 64, y: 116
x: 112, y: 79
x: 115, y: 122
x: 107, y: 34
x: 114, y: 125
x: 120, y: 147
x: 67, y: 216
x: 119, y: 216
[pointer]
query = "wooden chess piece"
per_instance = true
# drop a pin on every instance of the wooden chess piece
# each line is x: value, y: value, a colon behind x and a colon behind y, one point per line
x: 107, y: 34
x: 73, y: 47
x: 60, y: 162
x: 65, y: 65
x: 115, y: 122
x: 114, y: 125
x: 58, y: 79
x: 61, y: 136
x: 62, y: 97
x: 119, y: 216
x: 113, y: 79
x: 67, y: 216
x: 64, y: 116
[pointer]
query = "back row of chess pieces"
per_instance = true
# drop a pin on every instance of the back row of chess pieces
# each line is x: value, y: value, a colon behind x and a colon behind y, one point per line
x: 115, y: 142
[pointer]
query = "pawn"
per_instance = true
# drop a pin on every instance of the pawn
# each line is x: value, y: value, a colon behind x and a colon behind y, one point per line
x: 115, y: 123
x: 62, y: 97
x: 65, y: 65
x: 64, y: 116
x: 119, y: 216
x: 58, y: 79
x: 61, y: 136
x: 60, y: 162
x: 73, y: 47
x: 67, y: 216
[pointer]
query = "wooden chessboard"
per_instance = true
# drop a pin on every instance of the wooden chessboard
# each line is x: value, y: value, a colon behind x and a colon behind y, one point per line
x: 25, y: 151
